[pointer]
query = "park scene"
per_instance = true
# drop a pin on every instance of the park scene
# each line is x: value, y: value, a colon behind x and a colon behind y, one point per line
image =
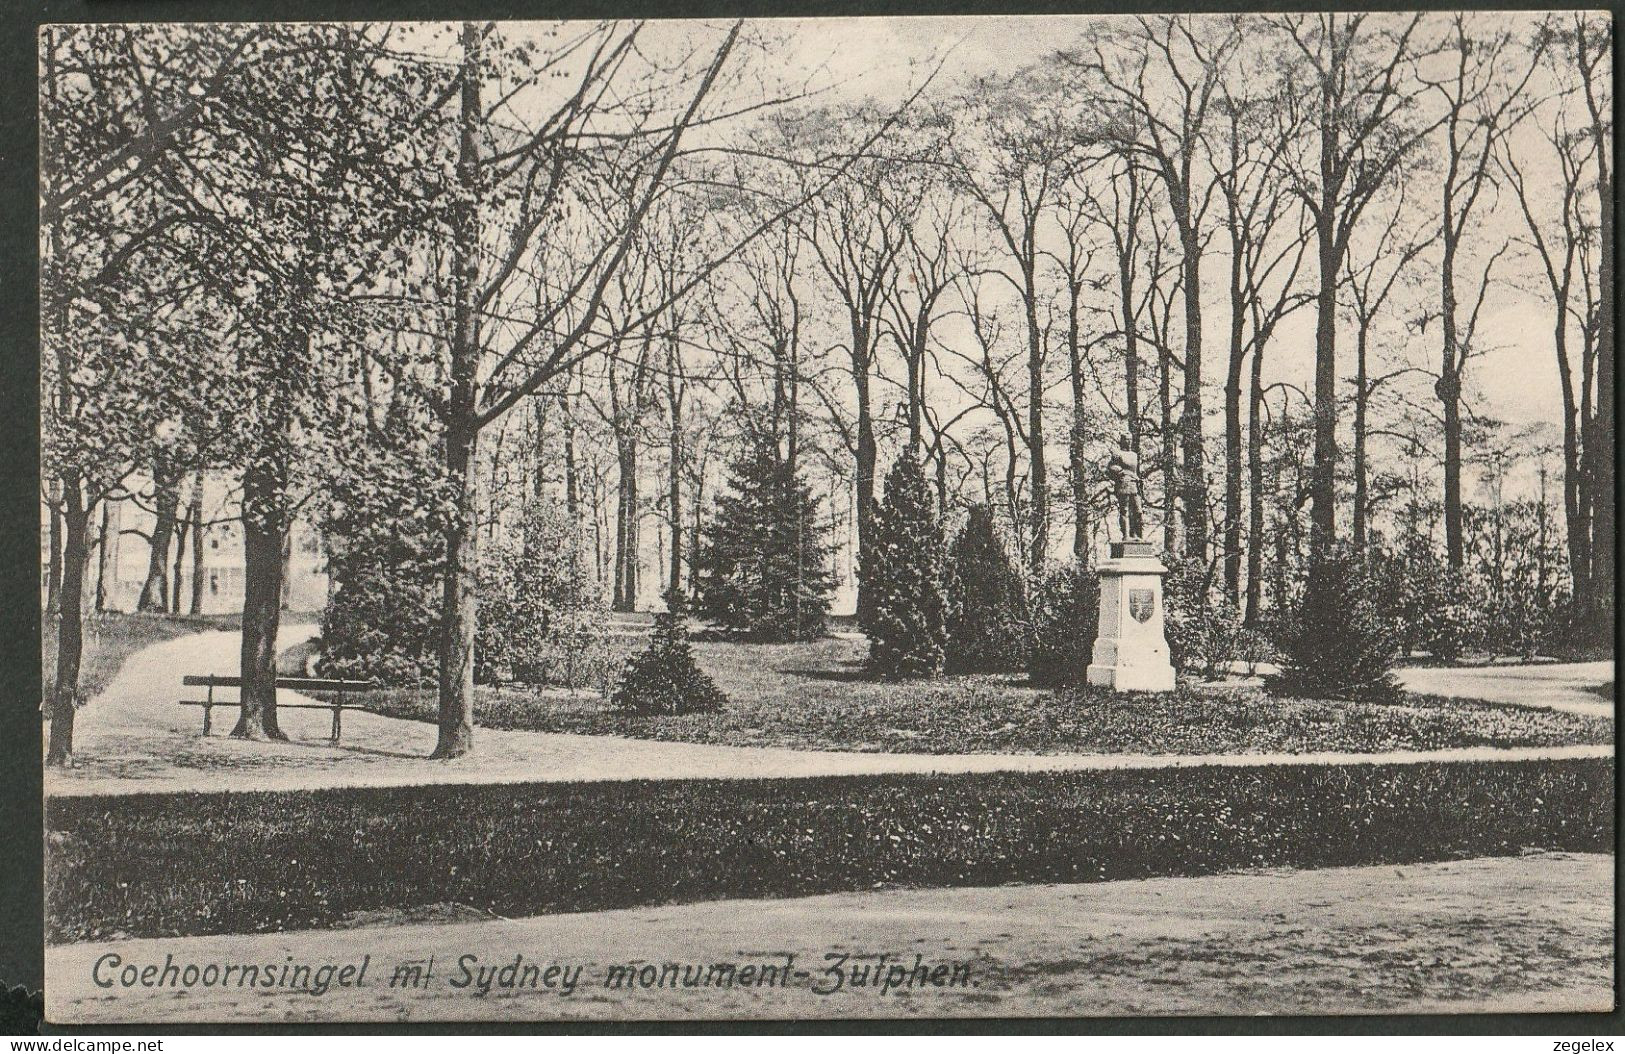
x: 733, y: 519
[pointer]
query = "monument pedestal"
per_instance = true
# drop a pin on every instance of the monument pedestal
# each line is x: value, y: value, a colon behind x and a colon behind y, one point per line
x: 1131, y: 652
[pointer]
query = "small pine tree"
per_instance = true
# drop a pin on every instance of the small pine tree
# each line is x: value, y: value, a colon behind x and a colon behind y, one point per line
x: 763, y: 568
x: 987, y: 603
x: 1341, y: 645
x: 903, y: 577
x: 664, y: 679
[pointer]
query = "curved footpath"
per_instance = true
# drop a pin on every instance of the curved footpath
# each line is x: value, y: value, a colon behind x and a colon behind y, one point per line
x: 134, y: 738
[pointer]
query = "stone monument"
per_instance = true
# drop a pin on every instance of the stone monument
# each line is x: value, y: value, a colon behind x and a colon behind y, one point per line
x: 1131, y: 652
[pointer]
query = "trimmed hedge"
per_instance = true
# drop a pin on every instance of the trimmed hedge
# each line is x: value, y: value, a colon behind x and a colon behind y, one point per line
x: 180, y: 864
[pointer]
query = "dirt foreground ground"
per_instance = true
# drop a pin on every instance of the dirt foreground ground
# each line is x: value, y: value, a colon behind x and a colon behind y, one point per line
x: 1530, y: 933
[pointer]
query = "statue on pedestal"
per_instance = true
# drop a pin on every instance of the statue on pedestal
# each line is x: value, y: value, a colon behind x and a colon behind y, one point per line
x: 1124, y: 470
x: 1131, y: 647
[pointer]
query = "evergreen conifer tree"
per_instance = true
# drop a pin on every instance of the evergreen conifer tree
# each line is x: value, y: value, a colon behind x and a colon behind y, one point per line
x: 664, y: 679
x: 1341, y: 646
x: 763, y: 568
x: 986, y: 602
x: 903, y: 575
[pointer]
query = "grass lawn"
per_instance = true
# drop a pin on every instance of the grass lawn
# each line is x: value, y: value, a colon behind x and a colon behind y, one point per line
x: 816, y: 696
x: 112, y: 637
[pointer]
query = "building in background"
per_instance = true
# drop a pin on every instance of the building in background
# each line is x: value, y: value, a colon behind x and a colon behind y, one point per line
x: 117, y: 573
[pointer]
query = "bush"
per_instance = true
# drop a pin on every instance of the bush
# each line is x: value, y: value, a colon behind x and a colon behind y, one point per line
x: 1203, y: 630
x: 1342, y: 646
x: 987, y: 614
x: 763, y: 569
x: 1450, y: 622
x: 157, y: 865
x: 1577, y: 635
x: 1254, y: 647
x: 382, y: 617
x: 903, y: 578
x: 540, y: 618
x: 383, y: 520
x: 664, y: 678
x: 1519, y: 624
x: 1063, y: 621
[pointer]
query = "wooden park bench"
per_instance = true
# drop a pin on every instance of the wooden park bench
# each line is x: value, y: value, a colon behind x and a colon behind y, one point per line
x: 298, y: 684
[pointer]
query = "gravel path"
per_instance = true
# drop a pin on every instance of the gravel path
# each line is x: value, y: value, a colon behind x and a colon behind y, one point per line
x: 1504, y: 935
x: 134, y: 738
x: 1567, y: 686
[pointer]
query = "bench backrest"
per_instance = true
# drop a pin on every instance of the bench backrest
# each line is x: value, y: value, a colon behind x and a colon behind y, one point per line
x: 305, y: 684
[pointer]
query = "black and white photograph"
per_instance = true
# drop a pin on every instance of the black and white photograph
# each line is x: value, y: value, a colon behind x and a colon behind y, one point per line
x: 826, y: 519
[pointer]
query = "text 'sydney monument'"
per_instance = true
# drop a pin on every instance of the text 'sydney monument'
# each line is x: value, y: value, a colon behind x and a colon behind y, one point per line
x: 1131, y: 652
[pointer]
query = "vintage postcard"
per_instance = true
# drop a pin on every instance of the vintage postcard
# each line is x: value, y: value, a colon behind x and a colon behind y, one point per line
x: 1099, y: 515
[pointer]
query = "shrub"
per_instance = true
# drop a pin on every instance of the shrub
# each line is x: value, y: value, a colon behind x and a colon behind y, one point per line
x: 1519, y: 623
x: 1450, y: 618
x: 1575, y: 634
x: 1342, y: 645
x: 540, y: 617
x: 1203, y: 630
x: 763, y: 569
x: 986, y: 622
x: 382, y: 617
x: 1063, y: 621
x: 1254, y: 647
x: 903, y: 577
x: 664, y: 678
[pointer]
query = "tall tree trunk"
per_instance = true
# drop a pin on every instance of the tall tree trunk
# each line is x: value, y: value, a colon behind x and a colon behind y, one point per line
x: 1080, y: 487
x: 1038, y: 508
x: 199, y: 532
x: 1232, y: 405
x: 1362, y: 400
x: 1078, y: 440
x: 1131, y: 336
x: 53, y: 572
x: 1170, y: 467
x: 1601, y: 578
x: 866, y: 455
x: 1323, y: 482
x: 265, y: 523
x: 183, y: 529
x: 1195, y: 471
x: 572, y: 481
x: 674, y: 488
x: 459, y: 608
x: 107, y: 561
x: 70, y: 620
x: 1576, y: 531
x: 914, y: 361
x: 1448, y: 389
x: 166, y: 499
x: 1255, y: 489
x: 627, y: 535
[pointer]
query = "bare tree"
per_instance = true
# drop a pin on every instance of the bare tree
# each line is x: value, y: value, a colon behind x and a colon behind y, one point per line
x: 1014, y: 147
x: 1557, y: 238
x: 1483, y: 99
x: 1161, y: 81
x: 1352, y: 84
x: 1268, y: 241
